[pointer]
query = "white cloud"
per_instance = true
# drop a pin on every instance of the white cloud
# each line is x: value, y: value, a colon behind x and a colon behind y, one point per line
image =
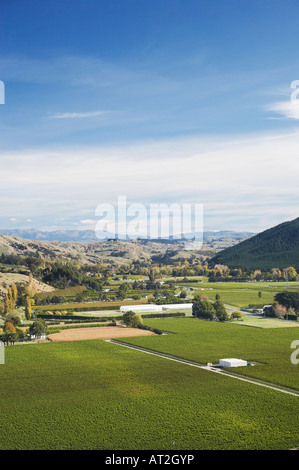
x: 285, y: 109
x: 88, y: 222
x: 79, y: 115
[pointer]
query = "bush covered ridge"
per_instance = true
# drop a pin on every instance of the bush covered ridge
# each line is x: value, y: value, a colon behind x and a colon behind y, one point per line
x: 275, y: 247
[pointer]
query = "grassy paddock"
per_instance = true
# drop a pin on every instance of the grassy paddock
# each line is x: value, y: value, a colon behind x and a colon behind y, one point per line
x: 70, y: 291
x: 242, y: 294
x: 266, y: 322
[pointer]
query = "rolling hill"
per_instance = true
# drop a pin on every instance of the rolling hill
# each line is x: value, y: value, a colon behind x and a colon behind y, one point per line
x: 277, y: 247
x: 6, y: 279
x: 111, y: 251
x: 114, y: 252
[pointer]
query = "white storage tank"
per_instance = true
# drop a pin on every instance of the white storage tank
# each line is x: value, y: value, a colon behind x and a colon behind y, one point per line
x: 232, y: 362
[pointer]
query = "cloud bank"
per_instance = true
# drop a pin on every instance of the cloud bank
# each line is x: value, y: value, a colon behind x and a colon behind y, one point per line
x: 238, y: 179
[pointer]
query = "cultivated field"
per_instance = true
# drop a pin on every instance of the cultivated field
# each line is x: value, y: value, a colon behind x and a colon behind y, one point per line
x: 203, y: 341
x: 98, y: 395
x: 90, y: 306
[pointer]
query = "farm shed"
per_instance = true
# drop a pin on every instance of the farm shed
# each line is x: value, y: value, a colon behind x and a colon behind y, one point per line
x: 176, y: 306
x: 141, y: 308
x: 232, y: 362
x: 265, y: 307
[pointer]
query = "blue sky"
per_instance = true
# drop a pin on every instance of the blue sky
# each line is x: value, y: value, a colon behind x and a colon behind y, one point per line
x: 165, y: 101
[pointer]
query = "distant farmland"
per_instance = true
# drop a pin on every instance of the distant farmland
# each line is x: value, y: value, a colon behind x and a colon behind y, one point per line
x: 241, y: 294
x: 90, y: 306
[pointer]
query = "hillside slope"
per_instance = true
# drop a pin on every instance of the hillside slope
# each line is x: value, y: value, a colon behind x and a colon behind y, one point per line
x: 277, y: 247
x: 113, y: 252
x: 6, y: 279
x: 116, y: 252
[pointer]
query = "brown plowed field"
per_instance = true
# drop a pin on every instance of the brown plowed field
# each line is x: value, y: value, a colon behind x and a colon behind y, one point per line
x: 105, y: 332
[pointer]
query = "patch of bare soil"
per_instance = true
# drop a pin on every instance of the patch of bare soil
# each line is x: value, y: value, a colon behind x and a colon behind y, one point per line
x: 105, y: 332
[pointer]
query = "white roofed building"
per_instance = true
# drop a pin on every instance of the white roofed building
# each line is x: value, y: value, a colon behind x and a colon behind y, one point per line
x: 175, y: 306
x: 232, y: 362
x: 141, y: 308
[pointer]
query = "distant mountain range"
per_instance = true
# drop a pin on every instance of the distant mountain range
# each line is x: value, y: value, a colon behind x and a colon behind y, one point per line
x: 90, y: 236
x: 277, y: 247
x: 55, y: 235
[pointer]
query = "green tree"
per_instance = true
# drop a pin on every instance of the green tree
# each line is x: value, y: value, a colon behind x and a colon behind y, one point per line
x: 290, y: 311
x: 288, y: 299
x: 203, y: 309
x: 122, y: 291
x: 8, y: 337
x: 236, y: 315
x: 183, y: 294
x: 38, y: 327
x: 132, y: 319
x: 221, y: 312
x: 14, y: 319
x: 6, y: 305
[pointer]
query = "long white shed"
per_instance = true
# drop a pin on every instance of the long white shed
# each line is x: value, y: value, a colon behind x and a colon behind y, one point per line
x: 176, y: 306
x: 232, y: 362
x: 141, y: 308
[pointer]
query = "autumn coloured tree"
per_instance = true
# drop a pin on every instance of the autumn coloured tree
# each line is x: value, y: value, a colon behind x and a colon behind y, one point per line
x: 30, y: 287
x: 9, y: 327
x: 279, y: 310
x: 291, y: 273
x: 236, y: 315
x: 28, y: 308
x: 10, y: 299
